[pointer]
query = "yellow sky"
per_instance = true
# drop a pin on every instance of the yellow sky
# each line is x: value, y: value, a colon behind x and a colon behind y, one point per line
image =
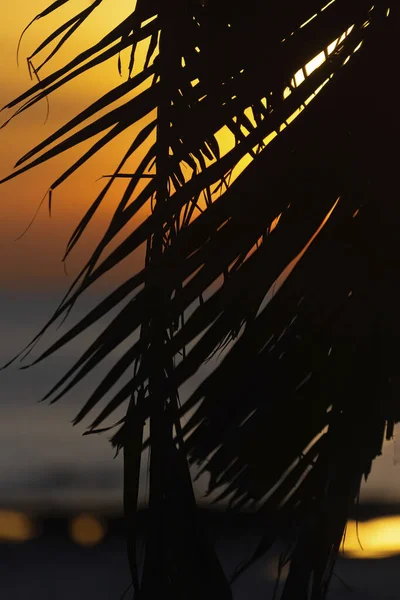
x: 35, y: 260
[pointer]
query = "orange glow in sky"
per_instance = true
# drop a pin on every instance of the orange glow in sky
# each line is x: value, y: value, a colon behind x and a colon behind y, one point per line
x: 36, y: 258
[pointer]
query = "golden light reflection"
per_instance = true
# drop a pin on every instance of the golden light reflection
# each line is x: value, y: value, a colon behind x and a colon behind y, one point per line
x: 376, y: 538
x: 16, y: 527
x: 86, y: 530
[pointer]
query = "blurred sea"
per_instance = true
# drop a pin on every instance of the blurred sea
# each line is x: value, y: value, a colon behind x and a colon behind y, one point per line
x: 50, y: 471
x: 44, y: 460
x: 54, y: 567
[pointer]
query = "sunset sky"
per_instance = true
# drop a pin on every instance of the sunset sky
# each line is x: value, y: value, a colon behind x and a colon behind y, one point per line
x: 31, y: 271
x: 36, y: 258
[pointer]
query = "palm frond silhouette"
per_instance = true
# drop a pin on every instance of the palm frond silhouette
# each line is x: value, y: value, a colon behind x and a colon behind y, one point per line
x: 281, y: 249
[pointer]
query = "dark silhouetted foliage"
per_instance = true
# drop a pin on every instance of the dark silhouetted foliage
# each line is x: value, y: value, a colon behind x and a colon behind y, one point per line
x: 292, y: 417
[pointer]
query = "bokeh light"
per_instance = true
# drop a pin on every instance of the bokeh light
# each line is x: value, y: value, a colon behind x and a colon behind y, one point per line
x: 86, y: 530
x: 16, y: 527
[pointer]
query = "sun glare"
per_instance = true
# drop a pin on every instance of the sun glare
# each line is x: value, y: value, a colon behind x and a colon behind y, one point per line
x: 376, y: 538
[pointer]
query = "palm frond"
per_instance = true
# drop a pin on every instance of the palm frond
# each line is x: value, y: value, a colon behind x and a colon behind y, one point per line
x: 295, y: 413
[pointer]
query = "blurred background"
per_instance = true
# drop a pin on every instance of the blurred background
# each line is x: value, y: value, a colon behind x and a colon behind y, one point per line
x: 61, y: 533
x: 61, y: 528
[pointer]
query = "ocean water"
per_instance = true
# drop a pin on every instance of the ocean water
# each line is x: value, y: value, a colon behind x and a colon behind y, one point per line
x: 44, y: 460
x: 54, y: 567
